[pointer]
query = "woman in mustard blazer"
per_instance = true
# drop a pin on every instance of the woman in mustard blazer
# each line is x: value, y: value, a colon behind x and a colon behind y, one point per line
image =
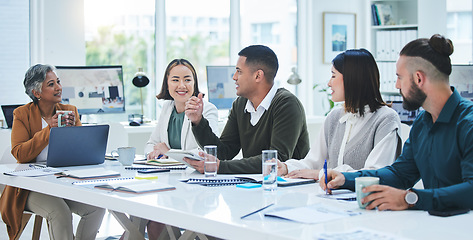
x: 30, y: 139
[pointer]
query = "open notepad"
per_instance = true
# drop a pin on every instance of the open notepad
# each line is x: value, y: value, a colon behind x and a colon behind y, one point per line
x: 91, y: 173
x: 179, y: 155
x: 132, y: 185
x: 316, y: 213
x: 168, y: 163
x: 34, y: 171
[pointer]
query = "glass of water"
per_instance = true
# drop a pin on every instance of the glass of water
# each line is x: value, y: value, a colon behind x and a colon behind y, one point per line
x: 270, y: 169
x: 210, y: 161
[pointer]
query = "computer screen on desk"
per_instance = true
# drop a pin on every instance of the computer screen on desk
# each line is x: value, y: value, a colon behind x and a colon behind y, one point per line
x: 93, y: 89
x: 8, y: 113
x: 222, y: 89
x: 462, y: 79
x: 406, y: 116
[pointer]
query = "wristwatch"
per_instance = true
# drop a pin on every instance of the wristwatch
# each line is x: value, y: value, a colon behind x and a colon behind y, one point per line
x: 411, y: 198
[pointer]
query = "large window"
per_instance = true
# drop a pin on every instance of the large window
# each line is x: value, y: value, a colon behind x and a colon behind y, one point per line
x: 459, y: 30
x: 276, y: 28
x: 14, y: 46
x: 198, y: 31
x: 120, y: 32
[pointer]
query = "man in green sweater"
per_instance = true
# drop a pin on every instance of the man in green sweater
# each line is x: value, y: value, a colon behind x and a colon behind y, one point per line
x: 262, y: 117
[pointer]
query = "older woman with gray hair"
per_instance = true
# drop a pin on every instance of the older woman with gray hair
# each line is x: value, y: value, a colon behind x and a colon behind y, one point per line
x: 30, y: 139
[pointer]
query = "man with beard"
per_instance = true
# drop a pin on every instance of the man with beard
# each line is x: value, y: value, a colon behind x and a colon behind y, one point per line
x: 440, y: 146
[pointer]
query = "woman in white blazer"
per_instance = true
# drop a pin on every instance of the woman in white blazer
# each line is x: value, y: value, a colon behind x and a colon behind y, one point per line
x: 188, y: 142
x: 179, y: 84
x: 174, y: 128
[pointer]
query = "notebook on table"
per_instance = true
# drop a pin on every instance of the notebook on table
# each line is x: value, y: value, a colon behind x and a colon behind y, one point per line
x: 135, y: 186
x: 85, y: 174
x: 241, y: 179
x: 76, y: 146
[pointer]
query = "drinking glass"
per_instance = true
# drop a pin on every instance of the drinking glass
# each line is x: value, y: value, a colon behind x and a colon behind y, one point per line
x: 210, y: 161
x: 270, y: 169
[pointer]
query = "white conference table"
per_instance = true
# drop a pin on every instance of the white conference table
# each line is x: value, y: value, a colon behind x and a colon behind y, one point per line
x: 216, y: 211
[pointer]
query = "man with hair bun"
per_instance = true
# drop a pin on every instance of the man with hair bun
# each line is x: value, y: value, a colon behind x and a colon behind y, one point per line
x: 440, y: 146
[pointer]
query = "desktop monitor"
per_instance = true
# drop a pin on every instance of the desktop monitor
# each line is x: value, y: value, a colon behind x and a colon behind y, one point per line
x: 93, y: 89
x: 222, y: 89
x: 406, y: 116
x: 8, y: 113
x: 462, y: 79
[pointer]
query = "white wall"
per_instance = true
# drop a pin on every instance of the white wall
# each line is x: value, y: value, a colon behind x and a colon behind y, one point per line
x: 57, y: 32
x: 311, y: 67
x: 432, y: 18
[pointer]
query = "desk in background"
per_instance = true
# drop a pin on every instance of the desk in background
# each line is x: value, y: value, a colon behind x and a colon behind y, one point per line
x: 139, y: 135
x: 216, y: 211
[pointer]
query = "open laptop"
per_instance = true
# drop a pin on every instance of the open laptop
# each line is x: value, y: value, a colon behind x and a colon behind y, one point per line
x: 8, y: 113
x: 75, y: 146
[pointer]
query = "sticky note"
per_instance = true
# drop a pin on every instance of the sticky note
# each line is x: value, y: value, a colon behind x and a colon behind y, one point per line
x: 249, y: 185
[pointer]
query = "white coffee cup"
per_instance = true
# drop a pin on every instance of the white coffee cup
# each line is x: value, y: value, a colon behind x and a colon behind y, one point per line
x: 126, y: 155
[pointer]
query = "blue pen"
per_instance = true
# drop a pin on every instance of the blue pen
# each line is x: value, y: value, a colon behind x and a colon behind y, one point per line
x: 326, y: 178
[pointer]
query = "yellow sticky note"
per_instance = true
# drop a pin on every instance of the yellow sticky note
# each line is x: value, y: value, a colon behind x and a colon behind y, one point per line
x: 146, y: 177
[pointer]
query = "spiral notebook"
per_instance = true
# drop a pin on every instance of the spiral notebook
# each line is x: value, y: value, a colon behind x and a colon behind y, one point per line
x: 219, y: 181
x: 102, y: 181
x: 34, y: 171
x: 83, y: 174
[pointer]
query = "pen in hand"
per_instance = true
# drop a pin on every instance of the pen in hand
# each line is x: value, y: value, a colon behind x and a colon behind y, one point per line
x: 326, y: 177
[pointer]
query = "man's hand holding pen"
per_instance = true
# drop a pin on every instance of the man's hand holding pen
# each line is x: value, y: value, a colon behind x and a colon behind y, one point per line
x: 335, y: 179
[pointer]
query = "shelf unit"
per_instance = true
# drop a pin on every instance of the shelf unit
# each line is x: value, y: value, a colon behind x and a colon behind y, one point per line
x: 426, y: 17
x: 388, y: 40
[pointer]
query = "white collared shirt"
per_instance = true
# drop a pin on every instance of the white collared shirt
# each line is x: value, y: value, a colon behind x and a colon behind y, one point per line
x: 381, y: 155
x: 43, y: 155
x: 264, y: 105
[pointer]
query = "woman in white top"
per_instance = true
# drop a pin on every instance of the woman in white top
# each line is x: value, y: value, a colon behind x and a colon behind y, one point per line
x: 363, y: 133
x: 173, y: 130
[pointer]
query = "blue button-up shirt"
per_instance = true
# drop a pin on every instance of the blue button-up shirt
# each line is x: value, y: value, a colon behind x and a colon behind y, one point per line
x: 440, y: 153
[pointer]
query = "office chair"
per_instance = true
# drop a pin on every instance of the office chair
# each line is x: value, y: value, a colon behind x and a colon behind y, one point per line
x: 7, y: 157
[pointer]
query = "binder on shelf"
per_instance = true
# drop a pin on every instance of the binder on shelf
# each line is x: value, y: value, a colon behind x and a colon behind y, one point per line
x: 379, y: 45
x: 387, y: 46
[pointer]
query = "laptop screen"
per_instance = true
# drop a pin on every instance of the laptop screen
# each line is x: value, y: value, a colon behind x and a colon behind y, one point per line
x: 8, y: 113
